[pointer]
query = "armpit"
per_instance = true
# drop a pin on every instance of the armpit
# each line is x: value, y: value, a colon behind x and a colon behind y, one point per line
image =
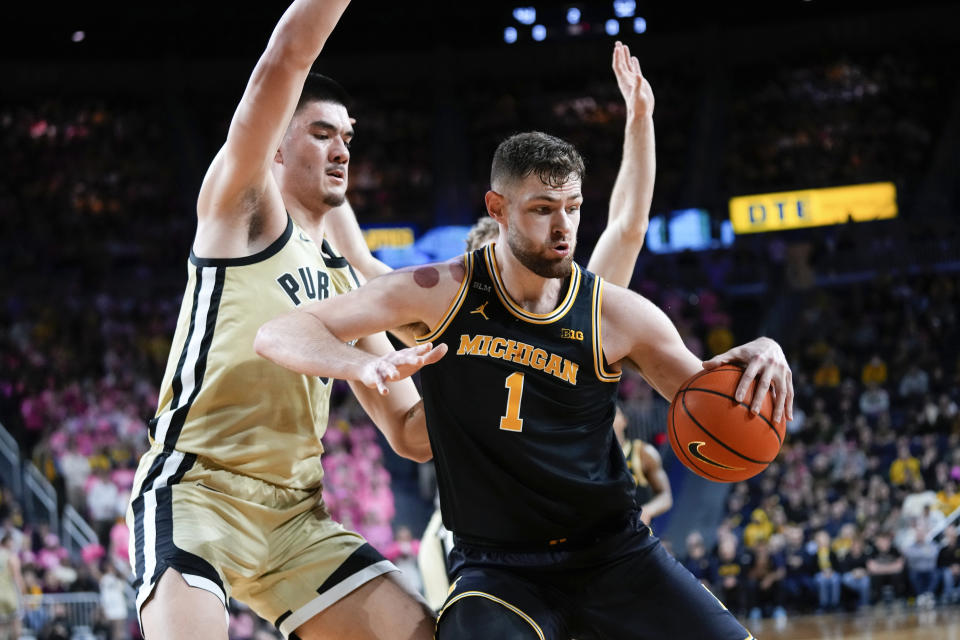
x: 407, y: 334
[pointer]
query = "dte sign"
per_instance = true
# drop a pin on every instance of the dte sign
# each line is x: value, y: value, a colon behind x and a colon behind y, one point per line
x: 813, y: 207
x: 782, y: 210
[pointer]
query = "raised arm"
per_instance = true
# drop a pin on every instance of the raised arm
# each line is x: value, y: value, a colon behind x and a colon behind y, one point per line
x: 238, y: 183
x: 344, y: 232
x: 633, y: 329
x: 615, y: 254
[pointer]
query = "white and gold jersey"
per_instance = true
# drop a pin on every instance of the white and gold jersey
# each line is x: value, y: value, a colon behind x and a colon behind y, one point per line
x: 221, y: 401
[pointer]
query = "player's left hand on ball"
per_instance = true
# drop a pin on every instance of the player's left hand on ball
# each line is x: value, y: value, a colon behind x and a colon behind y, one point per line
x: 399, y: 365
x: 762, y: 356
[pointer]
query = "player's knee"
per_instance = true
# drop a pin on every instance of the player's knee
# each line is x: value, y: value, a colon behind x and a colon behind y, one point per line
x: 478, y: 617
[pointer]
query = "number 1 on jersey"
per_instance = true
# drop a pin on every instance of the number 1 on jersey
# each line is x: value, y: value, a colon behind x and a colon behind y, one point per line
x: 512, y: 420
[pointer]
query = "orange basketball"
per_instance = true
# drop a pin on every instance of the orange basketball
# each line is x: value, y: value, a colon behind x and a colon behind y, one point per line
x: 717, y: 437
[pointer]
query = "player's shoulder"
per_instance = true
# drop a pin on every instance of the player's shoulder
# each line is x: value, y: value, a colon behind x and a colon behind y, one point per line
x: 430, y: 275
x: 649, y: 454
x: 616, y: 299
x: 236, y: 216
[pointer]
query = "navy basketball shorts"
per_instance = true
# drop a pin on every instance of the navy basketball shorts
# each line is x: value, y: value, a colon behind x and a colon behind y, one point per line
x: 624, y: 585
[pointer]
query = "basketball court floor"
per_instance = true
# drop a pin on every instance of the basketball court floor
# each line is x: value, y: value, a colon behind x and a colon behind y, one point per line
x: 877, y: 623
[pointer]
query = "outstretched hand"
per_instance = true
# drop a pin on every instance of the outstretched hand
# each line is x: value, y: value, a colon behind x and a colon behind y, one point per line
x: 763, y: 356
x: 399, y: 365
x: 635, y: 89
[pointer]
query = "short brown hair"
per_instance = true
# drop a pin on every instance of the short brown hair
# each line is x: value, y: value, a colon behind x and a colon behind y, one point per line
x: 553, y: 160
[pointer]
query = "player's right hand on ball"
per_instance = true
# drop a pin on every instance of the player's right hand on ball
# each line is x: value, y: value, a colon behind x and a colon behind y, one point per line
x: 399, y: 365
x: 765, y: 358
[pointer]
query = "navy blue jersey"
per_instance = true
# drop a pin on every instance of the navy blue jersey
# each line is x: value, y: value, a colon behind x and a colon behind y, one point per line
x: 520, y: 414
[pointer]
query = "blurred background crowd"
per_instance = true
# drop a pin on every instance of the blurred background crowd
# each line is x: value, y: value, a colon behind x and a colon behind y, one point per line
x: 97, y: 219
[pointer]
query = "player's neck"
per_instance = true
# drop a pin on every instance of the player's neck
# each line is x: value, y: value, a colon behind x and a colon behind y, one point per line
x: 312, y: 221
x: 532, y: 292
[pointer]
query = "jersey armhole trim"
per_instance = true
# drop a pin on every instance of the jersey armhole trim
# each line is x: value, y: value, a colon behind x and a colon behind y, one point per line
x: 331, y: 258
x: 455, y: 304
x: 260, y: 256
x: 602, y: 373
x: 467, y: 594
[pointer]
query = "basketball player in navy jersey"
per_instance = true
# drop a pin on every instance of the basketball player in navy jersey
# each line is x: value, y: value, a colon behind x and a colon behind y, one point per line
x: 614, y: 258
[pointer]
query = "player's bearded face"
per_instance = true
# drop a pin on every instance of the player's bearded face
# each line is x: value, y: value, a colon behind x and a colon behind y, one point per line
x: 540, y: 257
x: 542, y: 233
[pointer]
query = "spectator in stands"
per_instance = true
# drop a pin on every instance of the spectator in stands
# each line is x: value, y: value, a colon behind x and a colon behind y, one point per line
x: 885, y: 566
x: 843, y: 539
x: 827, y: 374
x: 117, y: 550
x: 102, y: 500
x: 730, y: 575
x: 9, y: 528
x: 798, y: 582
x: 874, y: 401
x: 948, y: 414
x: 74, y: 466
x: 766, y: 574
x: 11, y: 589
x: 34, y: 615
x: 948, y: 563
x: 51, y: 555
x: 403, y: 553
x: 720, y: 340
x: 906, y: 468
x: 853, y: 568
x: 839, y: 516
x: 58, y: 625
x: 113, y: 600
x: 87, y: 575
x: 794, y: 505
x: 697, y: 561
x: 915, y: 382
x: 948, y: 498
x: 875, y: 371
x: 827, y: 578
x: 758, y: 530
x: 921, y: 557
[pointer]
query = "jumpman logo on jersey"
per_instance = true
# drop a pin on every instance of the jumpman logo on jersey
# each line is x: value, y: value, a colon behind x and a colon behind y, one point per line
x: 480, y: 310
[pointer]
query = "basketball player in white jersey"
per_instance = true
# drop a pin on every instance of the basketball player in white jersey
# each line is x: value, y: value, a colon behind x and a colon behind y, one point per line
x: 228, y: 500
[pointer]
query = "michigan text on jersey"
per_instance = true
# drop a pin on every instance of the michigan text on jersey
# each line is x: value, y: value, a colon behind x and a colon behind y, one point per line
x: 521, y: 353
